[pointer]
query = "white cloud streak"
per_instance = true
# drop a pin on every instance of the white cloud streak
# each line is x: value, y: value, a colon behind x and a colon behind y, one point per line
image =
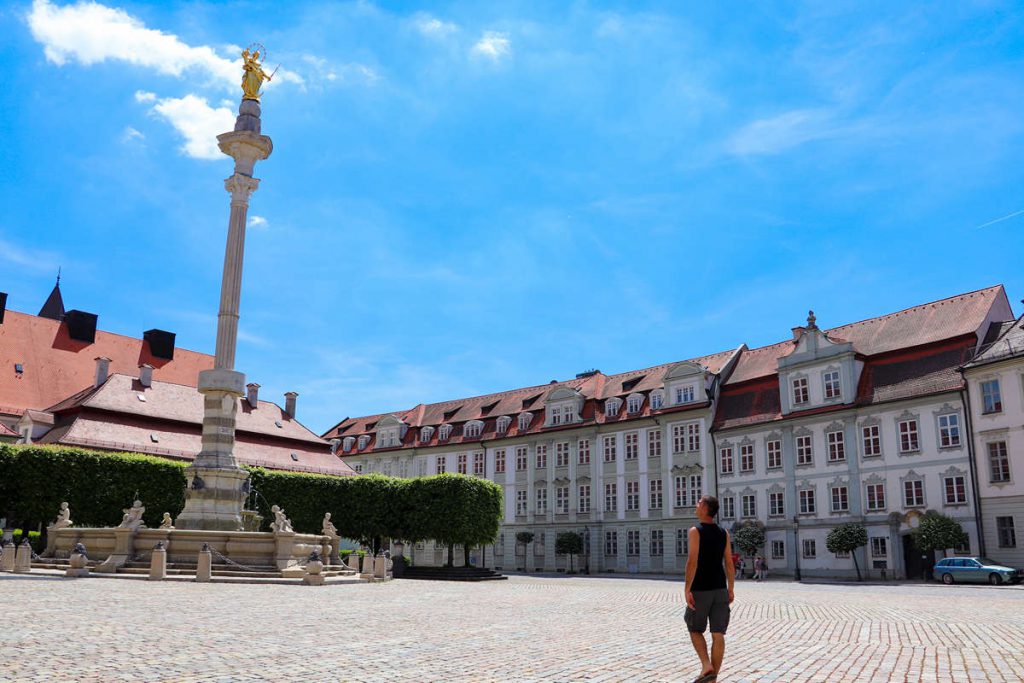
x: 493, y: 45
x: 432, y: 27
x: 90, y: 33
x: 790, y: 129
x: 197, y: 122
x: 258, y: 222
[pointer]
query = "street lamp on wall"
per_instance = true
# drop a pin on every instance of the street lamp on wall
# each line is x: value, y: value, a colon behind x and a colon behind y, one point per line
x: 797, y: 550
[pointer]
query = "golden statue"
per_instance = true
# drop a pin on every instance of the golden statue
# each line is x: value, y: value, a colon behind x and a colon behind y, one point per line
x: 253, y: 75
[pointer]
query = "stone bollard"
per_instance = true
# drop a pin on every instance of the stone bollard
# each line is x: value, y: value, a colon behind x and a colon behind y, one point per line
x: 23, y: 558
x: 77, y: 565
x: 367, y: 572
x: 353, y: 562
x: 204, y: 565
x: 158, y: 563
x: 380, y: 567
x: 314, y: 567
x: 7, y: 561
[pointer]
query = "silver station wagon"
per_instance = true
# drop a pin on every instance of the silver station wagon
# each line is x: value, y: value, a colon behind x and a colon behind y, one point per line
x: 974, y: 570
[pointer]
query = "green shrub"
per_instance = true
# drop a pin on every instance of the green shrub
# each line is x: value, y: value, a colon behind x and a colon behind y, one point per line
x: 98, y: 485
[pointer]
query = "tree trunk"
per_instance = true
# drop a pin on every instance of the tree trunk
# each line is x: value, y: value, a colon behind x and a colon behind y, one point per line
x: 451, y: 555
x: 855, y: 565
x: 465, y: 554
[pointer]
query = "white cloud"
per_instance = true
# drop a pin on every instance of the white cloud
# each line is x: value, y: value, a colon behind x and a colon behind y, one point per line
x: 198, y: 123
x: 493, y: 45
x: 143, y: 96
x: 432, y: 27
x: 258, y: 222
x: 779, y: 133
x: 130, y: 134
x: 29, y: 259
x: 351, y: 73
x: 91, y: 33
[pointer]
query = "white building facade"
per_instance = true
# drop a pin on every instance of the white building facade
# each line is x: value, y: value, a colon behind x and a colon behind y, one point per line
x: 868, y: 423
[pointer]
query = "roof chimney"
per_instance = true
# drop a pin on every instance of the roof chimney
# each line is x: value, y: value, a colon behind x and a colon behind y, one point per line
x: 3, y: 306
x: 161, y: 343
x: 102, y: 370
x: 797, y: 331
x: 146, y: 375
x: 81, y: 325
x: 253, y: 394
x: 289, y: 403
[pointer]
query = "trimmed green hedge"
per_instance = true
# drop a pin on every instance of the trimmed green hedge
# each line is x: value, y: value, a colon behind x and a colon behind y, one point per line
x: 448, y: 508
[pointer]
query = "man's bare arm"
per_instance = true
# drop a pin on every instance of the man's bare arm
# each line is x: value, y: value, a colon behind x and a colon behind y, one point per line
x: 691, y: 561
x: 730, y: 567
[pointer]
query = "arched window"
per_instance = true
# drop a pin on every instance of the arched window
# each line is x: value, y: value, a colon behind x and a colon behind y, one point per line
x: 425, y: 434
x: 503, y: 423
x: 634, y: 402
x: 657, y: 399
x: 346, y: 443
x: 444, y: 432
x: 611, y: 406
x: 364, y: 440
x: 524, y: 421
x: 473, y: 429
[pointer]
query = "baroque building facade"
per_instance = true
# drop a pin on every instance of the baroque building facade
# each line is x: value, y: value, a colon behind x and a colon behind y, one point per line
x: 864, y: 422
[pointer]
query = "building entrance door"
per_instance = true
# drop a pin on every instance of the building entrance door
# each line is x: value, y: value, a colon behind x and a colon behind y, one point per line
x: 917, y: 563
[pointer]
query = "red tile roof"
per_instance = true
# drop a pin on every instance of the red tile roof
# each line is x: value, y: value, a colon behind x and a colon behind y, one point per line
x: 7, y: 431
x: 114, y: 418
x: 594, y: 388
x: 54, y: 366
x: 917, y: 326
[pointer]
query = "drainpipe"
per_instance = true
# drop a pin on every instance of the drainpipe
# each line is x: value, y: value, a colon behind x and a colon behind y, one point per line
x: 965, y: 396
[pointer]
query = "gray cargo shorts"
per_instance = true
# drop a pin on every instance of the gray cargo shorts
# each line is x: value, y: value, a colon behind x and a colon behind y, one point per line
x: 708, y: 606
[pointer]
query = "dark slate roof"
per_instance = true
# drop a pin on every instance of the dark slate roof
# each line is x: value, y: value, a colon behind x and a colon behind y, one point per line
x: 54, y: 306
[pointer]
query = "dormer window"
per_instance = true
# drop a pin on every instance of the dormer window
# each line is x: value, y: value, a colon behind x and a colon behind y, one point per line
x: 657, y: 399
x: 503, y: 423
x: 524, y: 421
x: 611, y: 406
x: 634, y: 402
x: 425, y: 434
x: 444, y: 432
x: 346, y: 443
x: 364, y: 440
x: 473, y: 429
x: 685, y: 394
x: 800, y: 395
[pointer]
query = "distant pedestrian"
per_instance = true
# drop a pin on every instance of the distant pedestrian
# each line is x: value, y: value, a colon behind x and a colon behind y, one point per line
x: 740, y: 566
x: 710, y: 574
x: 764, y: 568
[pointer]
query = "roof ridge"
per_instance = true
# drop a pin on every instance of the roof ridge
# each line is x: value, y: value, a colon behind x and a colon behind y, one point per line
x: 912, y: 308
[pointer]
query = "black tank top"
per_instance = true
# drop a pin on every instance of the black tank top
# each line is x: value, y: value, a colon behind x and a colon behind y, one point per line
x: 710, y: 568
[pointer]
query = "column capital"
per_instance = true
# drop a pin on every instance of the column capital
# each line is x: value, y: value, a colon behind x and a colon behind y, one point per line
x: 241, y: 186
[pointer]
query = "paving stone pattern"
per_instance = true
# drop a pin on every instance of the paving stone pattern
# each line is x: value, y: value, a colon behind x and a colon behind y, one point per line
x: 525, y: 629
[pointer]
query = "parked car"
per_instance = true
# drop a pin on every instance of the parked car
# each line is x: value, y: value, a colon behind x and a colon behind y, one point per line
x: 975, y: 570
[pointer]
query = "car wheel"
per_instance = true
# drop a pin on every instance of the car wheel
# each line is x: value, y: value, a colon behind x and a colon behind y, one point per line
x: 995, y: 579
x: 947, y: 579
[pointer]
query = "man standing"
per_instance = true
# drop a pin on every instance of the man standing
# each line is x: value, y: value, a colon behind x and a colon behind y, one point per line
x: 710, y: 575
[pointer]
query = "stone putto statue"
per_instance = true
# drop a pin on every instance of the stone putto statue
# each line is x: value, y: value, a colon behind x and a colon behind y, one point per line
x: 167, y: 523
x: 329, y: 528
x: 133, y: 516
x: 63, y: 517
x: 280, y: 523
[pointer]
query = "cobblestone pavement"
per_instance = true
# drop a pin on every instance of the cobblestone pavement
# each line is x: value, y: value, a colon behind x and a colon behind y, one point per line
x: 525, y: 629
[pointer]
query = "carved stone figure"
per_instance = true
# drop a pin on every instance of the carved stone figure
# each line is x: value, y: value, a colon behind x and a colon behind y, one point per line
x: 133, y: 516
x: 329, y: 528
x: 63, y: 517
x: 167, y: 522
x: 280, y: 523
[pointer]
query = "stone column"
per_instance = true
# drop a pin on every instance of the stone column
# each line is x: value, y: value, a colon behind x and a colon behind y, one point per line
x: 215, y: 490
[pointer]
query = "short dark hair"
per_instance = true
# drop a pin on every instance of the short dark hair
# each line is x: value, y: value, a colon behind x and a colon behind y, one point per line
x: 711, y: 503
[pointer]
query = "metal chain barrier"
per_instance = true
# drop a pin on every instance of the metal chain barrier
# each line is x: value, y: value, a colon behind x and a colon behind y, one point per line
x: 237, y: 564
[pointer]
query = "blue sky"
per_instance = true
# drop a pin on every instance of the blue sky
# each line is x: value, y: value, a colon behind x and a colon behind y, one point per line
x: 471, y: 197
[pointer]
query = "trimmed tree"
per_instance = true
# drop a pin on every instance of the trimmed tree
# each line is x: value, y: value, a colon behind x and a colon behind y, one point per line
x: 748, y: 537
x: 846, y: 538
x: 938, y: 532
x: 569, y: 543
x: 524, y: 538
